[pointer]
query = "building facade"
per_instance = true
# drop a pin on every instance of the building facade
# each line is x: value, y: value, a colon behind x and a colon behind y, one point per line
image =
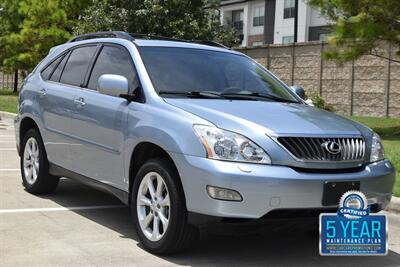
x: 261, y: 22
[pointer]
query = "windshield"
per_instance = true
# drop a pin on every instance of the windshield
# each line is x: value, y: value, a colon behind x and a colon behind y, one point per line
x: 179, y: 72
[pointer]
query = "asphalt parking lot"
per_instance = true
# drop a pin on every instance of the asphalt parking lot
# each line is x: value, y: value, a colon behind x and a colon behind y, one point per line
x: 79, y: 226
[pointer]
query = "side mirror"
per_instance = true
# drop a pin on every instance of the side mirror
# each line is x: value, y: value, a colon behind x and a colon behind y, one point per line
x: 113, y: 85
x: 298, y: 90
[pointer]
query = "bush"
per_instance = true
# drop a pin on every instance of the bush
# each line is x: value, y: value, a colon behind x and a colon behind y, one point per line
x: 319, y: 102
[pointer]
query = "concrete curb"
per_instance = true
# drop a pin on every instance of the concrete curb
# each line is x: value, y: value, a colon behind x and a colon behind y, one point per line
x: 7, y: 115
x: 394, y: 205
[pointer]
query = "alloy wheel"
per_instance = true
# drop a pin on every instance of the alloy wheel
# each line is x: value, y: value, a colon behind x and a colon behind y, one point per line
x: 153, y: 206
x: 31, y: 160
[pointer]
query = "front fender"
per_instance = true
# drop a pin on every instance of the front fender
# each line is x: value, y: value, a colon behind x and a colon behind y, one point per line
x: 165, y: 126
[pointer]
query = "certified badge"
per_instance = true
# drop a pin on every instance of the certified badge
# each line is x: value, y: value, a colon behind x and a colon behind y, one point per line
x: 353, y: 230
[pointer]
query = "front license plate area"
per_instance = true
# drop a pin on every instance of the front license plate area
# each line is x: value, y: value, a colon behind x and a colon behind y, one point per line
x: 333, y: 191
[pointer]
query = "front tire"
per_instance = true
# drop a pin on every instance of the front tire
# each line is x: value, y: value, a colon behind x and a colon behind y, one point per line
x: 159, y: 210
x: 34, y: 165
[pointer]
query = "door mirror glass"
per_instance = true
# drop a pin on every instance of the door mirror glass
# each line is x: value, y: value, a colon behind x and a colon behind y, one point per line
x: 113, y: 85
x: 298, y: 90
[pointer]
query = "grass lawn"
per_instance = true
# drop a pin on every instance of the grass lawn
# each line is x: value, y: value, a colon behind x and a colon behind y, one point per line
x: 383, y: 126
x: 392, y: 151
x: 389, y: 130
x: 8, y: 101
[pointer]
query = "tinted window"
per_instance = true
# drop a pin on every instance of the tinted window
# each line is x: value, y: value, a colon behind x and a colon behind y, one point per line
x: 113, y: 60
x: 77, y: 65
x: 258, y: 16
x: 185, y: 69
x: 289, y: 9
x: 55, y: 77
x: 49, y: 69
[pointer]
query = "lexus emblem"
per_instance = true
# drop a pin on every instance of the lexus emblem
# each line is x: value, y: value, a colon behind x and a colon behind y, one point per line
x: 332, y: 147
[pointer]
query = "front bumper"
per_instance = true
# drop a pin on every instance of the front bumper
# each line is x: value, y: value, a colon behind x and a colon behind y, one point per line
x: 267, y: 187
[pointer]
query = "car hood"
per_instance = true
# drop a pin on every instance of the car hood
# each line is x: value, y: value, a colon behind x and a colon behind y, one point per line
x: 275, y: 118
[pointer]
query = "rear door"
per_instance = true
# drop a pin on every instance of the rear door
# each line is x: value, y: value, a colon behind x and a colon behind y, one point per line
x: 100, y: 120
x: 56, y: 105
x: 58, y: 102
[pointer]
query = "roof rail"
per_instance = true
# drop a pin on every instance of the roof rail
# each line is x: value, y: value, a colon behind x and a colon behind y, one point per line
x: 210, y: 43
x: 109, y: 34
x: 162, y: 38
x: 133, y: 36
x: 153, y: 37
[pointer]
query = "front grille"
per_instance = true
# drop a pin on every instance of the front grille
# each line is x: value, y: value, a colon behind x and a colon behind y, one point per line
x: 325, y: 149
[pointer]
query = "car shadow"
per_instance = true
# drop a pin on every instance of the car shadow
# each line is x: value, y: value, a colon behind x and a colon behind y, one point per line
x: 282, y: 247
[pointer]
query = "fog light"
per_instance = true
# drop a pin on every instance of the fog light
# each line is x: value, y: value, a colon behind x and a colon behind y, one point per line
x: 223, y: 193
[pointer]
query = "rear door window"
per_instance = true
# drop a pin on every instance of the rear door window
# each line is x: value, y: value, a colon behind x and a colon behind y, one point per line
x: 114, y: 60
x: 77, y: 65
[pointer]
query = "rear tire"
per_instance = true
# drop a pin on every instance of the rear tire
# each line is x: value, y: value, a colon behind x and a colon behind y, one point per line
x: 164, y: 203
x: 34, y: 165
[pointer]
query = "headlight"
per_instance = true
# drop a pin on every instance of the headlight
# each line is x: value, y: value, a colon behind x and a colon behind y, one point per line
x: 377, y: 152
x: 225, y: 145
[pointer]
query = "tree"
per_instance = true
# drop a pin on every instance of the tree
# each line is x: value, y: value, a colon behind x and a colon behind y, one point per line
x: 102, y: 15
x: 41, y: 24
x: 9, y: 22
x: 360, y: 26
x: 196, y: 19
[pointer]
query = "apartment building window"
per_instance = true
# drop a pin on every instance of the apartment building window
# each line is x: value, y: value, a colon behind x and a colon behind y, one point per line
x: 287, y: 39
x: 258, y: 16
x: 237, y: 19
x: 323, y: 37
x: 289, y: 9
x: 258, y: 43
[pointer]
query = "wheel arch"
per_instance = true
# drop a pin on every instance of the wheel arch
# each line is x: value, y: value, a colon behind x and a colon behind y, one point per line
x: 144, y: 151
x: 25, y: 125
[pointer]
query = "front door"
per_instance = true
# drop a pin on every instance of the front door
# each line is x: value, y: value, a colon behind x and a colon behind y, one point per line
x: 100, y: 121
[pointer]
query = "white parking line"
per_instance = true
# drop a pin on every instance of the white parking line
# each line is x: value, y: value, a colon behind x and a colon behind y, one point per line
x: 7, y: 149
x: 9, y: 170
x: 60, y: 209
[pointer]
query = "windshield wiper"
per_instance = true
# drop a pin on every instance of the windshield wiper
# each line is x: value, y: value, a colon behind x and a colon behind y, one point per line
x: 211, y: 94
x: 193, y: 94
x: 256, y: 95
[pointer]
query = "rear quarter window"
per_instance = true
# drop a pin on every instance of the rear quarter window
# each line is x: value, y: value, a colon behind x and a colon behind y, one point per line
x: 55, y: 77
x: 46, y: 73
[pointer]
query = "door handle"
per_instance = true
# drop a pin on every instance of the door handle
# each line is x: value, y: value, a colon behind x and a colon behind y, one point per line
x: 79, y: 101
x: 42, y: 92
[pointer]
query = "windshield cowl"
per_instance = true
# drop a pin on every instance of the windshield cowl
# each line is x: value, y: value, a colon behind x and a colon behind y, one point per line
x: 230, y: 96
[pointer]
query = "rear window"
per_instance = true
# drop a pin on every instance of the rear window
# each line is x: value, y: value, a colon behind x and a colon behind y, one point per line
x: 77, y: 65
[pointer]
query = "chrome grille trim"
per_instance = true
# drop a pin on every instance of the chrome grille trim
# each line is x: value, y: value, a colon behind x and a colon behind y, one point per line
x: 313, y: 149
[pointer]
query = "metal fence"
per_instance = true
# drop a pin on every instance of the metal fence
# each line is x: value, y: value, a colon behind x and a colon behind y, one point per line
x: 10, y: 81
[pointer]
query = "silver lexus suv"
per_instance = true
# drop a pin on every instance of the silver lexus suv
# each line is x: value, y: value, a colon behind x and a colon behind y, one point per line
x: 187, y: 132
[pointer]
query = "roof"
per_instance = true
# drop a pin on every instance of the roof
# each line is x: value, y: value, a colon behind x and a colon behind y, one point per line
x: 162, y: 43
x: 232, y: 2
x: 142, y: 39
